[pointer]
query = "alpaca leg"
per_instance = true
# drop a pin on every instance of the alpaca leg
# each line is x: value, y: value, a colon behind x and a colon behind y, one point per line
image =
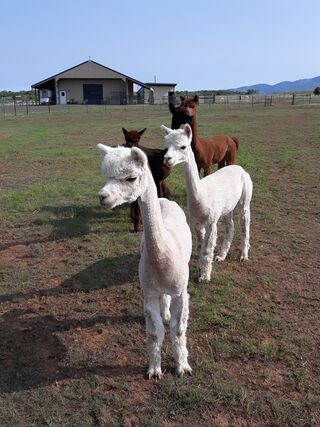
x: 228, y: 237
x: 135, y: 216
x: 206, y: 170
x: 165, y: 190
x: 155, y: 335
x: 245, y: 232
x: 207, y: 250
x: 200, y: 233
x: 231, y: 157
x: 159, y: 188
x: 165, y: 301
x: 245, y: 218
x: 178, y: 327
x: 221, y: 164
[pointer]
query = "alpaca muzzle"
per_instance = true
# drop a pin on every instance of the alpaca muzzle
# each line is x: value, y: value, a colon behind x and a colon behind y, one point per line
x: 105, y: 199
x: 102, y: 199
x: 168, y: 160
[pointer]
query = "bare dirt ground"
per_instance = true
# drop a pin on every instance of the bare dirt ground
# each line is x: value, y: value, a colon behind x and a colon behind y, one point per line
x: 72, y: 348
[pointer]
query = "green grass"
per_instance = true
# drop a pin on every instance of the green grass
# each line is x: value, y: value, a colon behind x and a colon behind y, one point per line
x: 72, y: 332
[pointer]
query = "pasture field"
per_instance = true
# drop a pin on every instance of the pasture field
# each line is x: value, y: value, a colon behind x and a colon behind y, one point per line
x: 72, y: 340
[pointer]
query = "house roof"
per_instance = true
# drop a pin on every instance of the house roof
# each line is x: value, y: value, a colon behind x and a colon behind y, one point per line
x: 107, y: 68
x: 161, y: 84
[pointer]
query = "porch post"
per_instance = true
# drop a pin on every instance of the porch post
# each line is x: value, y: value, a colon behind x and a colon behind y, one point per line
x: 57, y: 91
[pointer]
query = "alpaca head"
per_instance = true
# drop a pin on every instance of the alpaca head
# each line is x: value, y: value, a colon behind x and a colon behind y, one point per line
x: 178, y: 143
x: 190, y: 105
x: 124, y: 170
x: 179, y: 115
x: 132, y: 137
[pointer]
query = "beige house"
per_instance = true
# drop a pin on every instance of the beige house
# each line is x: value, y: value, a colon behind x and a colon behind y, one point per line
x: 87, y: 83
x: 156, y: 93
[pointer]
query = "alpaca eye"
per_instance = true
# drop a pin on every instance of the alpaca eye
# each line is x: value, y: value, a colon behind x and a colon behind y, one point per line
x: 183, y: 147
x: 131, y: 179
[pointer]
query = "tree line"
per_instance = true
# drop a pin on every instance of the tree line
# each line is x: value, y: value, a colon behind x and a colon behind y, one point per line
x: 26, y: 95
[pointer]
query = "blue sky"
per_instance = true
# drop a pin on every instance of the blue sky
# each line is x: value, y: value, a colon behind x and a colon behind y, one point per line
x: 198, y: 44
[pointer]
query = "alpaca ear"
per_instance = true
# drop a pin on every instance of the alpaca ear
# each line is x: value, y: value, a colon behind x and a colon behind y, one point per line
x: 104, y: 148
x: 182, y: 98
x: 138, y: 156
x: 124, y: 131
x: 188, y: 131
x: 165, y: 130
x: 196, y: 99
x: 141, y: 132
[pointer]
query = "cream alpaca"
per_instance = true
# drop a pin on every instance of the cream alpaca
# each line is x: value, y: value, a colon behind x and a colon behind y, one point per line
x: 165, y: 251
x: 210, y: 198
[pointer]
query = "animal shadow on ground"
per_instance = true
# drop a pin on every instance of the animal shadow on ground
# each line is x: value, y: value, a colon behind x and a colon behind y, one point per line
x: 67, y: 222
x: 73, y: 220
x: 103, y: 274
x: 32, y: 354
x: 109, y: 272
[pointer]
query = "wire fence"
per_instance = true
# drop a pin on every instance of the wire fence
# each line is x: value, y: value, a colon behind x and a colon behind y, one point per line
x: 12, y: 107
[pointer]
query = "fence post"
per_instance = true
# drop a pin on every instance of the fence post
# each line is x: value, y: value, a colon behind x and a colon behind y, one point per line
x: 293, y: 95
x: 27, y: 107
x: 15, y: 108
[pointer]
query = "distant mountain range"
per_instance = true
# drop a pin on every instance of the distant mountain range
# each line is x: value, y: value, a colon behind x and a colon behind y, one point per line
x: 286, y: 86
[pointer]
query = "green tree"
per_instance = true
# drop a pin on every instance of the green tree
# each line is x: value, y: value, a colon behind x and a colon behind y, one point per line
x: 251, y: 92
x: 317, y: 90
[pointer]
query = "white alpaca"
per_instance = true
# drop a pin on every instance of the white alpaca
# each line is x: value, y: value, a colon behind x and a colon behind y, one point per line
x: 165, y: 251
x: 210, y: 198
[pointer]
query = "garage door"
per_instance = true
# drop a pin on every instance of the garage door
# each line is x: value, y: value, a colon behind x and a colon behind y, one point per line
x: 92, y: 93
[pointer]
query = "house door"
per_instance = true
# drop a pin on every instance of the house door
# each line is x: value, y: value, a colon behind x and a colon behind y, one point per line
x: 63, y: 97
x: 92, y: 94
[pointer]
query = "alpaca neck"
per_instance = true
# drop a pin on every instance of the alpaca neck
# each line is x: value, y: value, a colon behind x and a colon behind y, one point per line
x: 195, y: 144
x: 191, y: 177
x: 153, y: 227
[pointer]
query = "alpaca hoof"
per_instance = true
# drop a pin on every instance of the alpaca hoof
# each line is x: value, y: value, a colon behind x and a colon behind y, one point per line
x: 154, y: 373
x: 219, y: 258
x: 204, y: 278
x: 185, y: 369
x: 136, y: 228
x: 244, y: 258
x: 166, y: 318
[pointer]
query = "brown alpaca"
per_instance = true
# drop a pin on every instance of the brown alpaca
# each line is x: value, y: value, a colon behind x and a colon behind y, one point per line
x: 132, y: 137
x: 219, y: 149
x: 158, y: 169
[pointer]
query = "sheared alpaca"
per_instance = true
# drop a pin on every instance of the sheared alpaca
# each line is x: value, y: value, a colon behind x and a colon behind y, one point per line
x: 219, y: 149
x: 165, y: 251
x: 211, y: 198
x: 158, y: 169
